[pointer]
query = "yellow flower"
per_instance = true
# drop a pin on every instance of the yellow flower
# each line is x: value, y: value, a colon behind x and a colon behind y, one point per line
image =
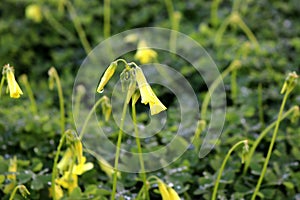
x: 65, y: 161
x: 163, y: 191
x: 12, y: 169
x: 144, y: 54
x: 58, y: 192
x: 68, y: 181
x: 107, y: 168
x: 78, y: 150
x: 82, y: 167
x: 14, y: 89
x: 147, y: 93
x: 34, y: 13
x: 106, y: 76
x: 173, y: 194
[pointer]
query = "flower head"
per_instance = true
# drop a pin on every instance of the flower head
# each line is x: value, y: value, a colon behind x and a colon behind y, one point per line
x: 147, y: 94
x: 163, y: 191
x: 68, y: 181
x: 82, y: 167
x: 106, y: 76
x: 14, y: 88
x: 144, y: 54
x: 173, y: 194
x: 58, y: 192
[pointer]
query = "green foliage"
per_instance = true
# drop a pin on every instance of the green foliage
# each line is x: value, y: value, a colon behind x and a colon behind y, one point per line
x: 33, y: 47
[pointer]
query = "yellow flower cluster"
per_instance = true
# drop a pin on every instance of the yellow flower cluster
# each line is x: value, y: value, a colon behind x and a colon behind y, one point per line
x: 11, y: 177
x: 70, y: 170
x: 147, y: 94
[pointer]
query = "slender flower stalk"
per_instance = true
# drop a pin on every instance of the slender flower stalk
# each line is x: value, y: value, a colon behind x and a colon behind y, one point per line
x: 54, y: 168
x: 236, y: 64
x: 1, y: 85
x: 138, y: 143
x: 263, y: 134
x: 287, y: 88
x: 53, y: 75
x: 89, y: 116
x: 28, y: 89
x: 23, y: 190
x: 116, y: 163
x: 78, y: 26
x: 245, y: 142
x: 106, y: 28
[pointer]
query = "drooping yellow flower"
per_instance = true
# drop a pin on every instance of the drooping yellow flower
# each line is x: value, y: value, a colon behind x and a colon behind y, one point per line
x: 106, y: 76
x: 65, y: 161
x: 68, y: 181
x: 78, y: 150
x: 58, y: 192
x: 14, y: 88
x: 82, y: 167
x: 173, y: 194
x: 163, y: 191
x: 147, y: 94
x: 34, y: 13
x: 145, y: 54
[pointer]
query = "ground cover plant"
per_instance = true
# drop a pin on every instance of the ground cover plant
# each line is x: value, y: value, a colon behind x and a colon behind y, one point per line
x: 48, y: 142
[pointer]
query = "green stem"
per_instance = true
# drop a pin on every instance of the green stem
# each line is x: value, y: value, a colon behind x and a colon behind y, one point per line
x: 1, y: 84
x: 57, y: 26
x: 233, y: 66
x: 271, y: 146
x: 12, y: 196
x: 28, y: 89
x: 88, y: 118
x: 236, y: 5
x: 23, y: 190
x: 262, y: 135
x: 234, y: 87
x: 174, y: 25
x: 106, y: 27
x: 214, y: 12
x: 248, y: 32
x: 221, y: 30
x: 82, y: 36
x: 118, y: 151
x: 214, y: 195
x: 260, y: 105
x: 138, y: 143
x: 61, y: 101
x: 54, y: 168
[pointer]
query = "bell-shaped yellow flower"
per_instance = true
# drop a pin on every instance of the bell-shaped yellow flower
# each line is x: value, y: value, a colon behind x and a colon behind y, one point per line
x: 107, y: 76
x: 78, y: 150
x: 65, y: 161
x: 144, y: 54
x: 68, y: 181
x: 173, y: 194
x: 147, y: 93
x: 163, y: 191
x: 14, y: 88
x: 82, y: 167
